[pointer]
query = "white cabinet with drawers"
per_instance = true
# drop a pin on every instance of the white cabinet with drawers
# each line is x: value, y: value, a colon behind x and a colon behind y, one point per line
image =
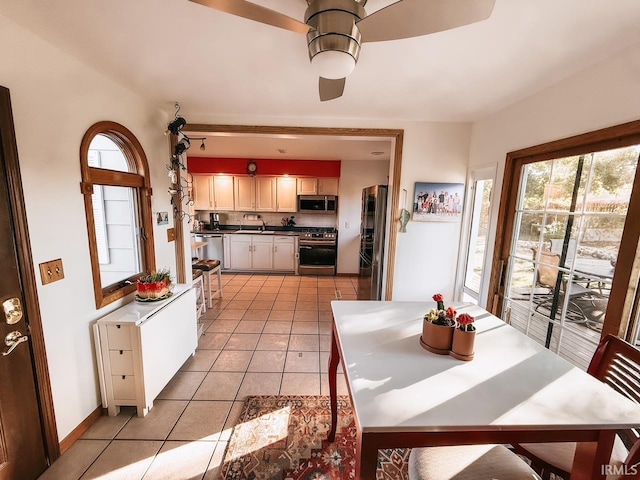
x: 140, y: 347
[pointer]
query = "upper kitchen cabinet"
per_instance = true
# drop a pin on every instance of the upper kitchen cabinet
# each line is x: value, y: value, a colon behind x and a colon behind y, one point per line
x: 286, y: 196
x: 328, y: 186
x: 307, y: 186
x: 266, y: 194
x: 223, y: 193
x: 245, y: 194
x: 318, y: 186
x: 202, y: 191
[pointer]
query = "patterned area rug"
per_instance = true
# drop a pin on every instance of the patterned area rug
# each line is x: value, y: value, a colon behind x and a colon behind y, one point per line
x: 283, y: 438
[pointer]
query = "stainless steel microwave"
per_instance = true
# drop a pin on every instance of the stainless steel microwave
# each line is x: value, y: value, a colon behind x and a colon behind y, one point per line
x: 317, y: 204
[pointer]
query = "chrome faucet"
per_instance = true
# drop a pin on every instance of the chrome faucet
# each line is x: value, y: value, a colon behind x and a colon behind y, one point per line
x: 264, y: 225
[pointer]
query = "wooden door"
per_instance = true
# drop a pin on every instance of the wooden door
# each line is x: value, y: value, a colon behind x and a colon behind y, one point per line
x: 566, y: 265
x: 240, y: 252
x: 245, y: 193
x: 223, y: 192
x: 202, y: 192
x: 307, y: 186
x: 22, y: 449
x: 327, y: 186
x: 286, y: 195
x: 265, y: 194
x: 262, y: 252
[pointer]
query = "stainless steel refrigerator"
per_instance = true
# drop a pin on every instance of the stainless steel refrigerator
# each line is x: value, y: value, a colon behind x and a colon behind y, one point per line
x: 372, y: 226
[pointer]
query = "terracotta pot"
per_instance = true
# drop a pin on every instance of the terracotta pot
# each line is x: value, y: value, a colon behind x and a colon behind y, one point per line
x: 462, y: 347
x: 436, y: 338
x: 153, y: 289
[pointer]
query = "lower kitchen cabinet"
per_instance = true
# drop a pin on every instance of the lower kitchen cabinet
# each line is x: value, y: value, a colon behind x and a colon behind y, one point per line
x: 261, y: 252
x: 284, y: 253
x: 141, y: 346
x: 251, y: 252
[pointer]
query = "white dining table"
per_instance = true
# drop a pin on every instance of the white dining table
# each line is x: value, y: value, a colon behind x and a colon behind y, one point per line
x: 514, y: 391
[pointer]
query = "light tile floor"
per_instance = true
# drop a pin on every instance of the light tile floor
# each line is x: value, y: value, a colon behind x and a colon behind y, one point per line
x: 268, y: 335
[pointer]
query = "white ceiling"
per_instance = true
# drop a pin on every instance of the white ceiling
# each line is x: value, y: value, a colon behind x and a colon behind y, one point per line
x: 218, y: 64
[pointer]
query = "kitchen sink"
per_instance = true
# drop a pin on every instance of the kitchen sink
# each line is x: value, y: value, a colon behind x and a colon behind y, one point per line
x: 256, y: 232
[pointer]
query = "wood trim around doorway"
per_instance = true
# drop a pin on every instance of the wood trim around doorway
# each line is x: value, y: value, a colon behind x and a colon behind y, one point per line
x: 27, y: 275
x: 395, y: 135
x: 621, y: 296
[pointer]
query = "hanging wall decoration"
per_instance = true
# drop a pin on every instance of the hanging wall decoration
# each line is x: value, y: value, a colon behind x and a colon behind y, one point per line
x: 181, y: 179
x: 437, y: 202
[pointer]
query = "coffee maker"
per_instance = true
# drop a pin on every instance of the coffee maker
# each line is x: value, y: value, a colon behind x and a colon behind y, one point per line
x: 214, y: 220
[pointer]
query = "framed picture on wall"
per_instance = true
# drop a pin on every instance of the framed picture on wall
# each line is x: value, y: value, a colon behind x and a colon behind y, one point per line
x: 162, y: 218
x: 437, y: 202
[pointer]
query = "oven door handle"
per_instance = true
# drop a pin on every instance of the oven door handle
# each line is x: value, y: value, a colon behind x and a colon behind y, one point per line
x: 316, y: 243
x: 306, y: 247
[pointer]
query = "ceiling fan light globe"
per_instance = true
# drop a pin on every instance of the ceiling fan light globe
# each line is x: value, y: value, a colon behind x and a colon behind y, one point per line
x: 333, y: 65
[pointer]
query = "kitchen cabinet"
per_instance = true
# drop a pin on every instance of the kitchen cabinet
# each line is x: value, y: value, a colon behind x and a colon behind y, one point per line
x: 250, y: 252
x: 307, y: 186
x: 284, y: 253
x: 318, y: 186
x: 286, y: 197
x: 328, y: 186
x: 223, y: 193
x: 261, y: 252
x: 266, y: 199
x: 245, y: 193
x: 141, y: 346
x: 265, y: 194
x: 202, y: 191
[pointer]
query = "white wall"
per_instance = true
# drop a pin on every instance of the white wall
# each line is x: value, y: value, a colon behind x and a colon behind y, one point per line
x: 602, y: 96
x: 55, y: 99
x: 426, y: 254
x: 354, y: 176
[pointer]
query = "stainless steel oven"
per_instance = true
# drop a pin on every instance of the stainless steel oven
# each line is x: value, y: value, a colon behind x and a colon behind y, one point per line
x: 318, y: 252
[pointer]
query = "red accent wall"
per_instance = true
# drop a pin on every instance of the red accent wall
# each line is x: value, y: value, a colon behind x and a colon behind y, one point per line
x: 238, y: 166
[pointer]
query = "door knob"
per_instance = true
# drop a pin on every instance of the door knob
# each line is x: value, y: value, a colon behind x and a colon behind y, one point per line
x: 12, y: 340
x: 12, y: 310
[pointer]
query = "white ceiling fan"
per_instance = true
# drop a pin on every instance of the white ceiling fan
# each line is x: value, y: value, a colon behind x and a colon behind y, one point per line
x: 336, y: 29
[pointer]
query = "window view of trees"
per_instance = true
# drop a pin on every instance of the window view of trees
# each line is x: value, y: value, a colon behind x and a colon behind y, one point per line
x: 567, y: 231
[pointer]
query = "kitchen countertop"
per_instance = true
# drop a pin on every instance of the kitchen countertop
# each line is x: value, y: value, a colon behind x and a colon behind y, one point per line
x: 286, y: 233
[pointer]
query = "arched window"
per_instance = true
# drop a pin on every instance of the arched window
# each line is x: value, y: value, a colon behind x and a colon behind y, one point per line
x: 117, y: 199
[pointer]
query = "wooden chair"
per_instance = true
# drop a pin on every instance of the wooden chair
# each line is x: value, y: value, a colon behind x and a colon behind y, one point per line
x: 616, y: 363
x: 468, y: 462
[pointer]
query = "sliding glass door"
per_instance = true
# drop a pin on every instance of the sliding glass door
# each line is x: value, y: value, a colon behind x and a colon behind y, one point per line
x: 566, y: 218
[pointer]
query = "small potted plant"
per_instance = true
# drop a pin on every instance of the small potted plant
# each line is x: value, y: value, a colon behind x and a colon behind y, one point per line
x: 437, y: 327
x: 154, y: 286
x: 464, y: 337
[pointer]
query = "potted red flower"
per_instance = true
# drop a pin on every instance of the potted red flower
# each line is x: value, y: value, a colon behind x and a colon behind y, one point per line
x: 437, y: 327
x: 464, y: 336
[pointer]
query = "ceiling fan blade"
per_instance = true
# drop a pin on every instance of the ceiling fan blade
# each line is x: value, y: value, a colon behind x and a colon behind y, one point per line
x: 331, y: 89
x: 257, y: 13
x: 413, y: 18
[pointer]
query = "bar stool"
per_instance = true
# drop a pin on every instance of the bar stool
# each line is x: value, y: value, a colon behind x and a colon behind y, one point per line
x: 198, y: 284
x: 467, y: 462
x: 210, y: 268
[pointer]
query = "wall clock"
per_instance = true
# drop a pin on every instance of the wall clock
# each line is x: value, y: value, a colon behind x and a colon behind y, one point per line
x: 252, y: 168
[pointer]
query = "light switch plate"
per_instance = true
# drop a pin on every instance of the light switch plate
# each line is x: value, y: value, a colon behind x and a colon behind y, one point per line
x: 51, y: 271
x: 171, y: 234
